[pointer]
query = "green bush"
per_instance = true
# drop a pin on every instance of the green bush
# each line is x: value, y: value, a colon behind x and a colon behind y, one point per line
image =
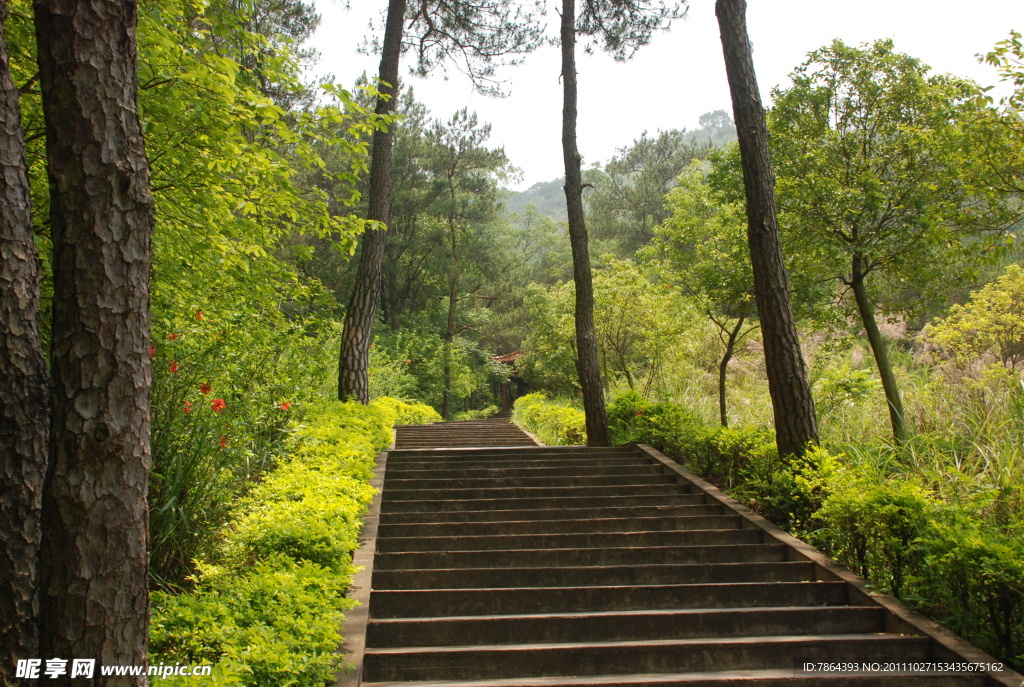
x: 267, y: 611
x: 552, y: 423
x: 489, y: 411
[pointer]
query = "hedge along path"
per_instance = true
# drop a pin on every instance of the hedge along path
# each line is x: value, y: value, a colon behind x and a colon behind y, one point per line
x: 267, y: 608
x: 525, y: 565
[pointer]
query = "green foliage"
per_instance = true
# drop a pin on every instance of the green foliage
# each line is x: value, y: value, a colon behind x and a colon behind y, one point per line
x: 874, y: 162
x: 875, y: 528
x: 489, y: 411
x: 274, y: 624
x: 993, y: 319
x: 224, y: 390
x: 268, y: 612
x: 973, y: 581
x: 628, y: 200
x: 639, y: 327
x: 551, y: 422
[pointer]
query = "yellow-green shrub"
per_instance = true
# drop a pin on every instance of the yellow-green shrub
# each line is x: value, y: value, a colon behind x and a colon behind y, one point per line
x: 552, y: 423
x: 268, y: 612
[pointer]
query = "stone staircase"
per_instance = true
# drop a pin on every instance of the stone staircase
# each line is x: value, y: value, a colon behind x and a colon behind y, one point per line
x: 527, y: 565
x: 474, y: 433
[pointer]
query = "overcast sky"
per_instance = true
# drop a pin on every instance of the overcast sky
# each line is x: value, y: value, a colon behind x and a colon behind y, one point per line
x: 680, y: 75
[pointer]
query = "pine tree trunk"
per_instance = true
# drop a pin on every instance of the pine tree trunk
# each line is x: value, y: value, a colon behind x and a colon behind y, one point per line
x: 94, y: 597
x: 881, y: 353
x: 587, y: 364
x: 24, y: 404
x: 792, y: 405
x: 353, y: 359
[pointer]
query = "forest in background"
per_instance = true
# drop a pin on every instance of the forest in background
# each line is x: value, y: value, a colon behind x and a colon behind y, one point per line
x: 260, y: 186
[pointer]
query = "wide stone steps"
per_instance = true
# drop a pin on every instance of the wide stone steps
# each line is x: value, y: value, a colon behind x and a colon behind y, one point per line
x: 527, y: 566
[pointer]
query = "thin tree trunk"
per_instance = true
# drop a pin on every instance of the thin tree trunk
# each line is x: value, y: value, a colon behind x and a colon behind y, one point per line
x: 24, y: 403
x: 723, y: 366
x: 449, y: 338
x: 587, y: 365
x: 353, y: 359
x: 881, y: 353
x: 792, y: 405
x: 94, y: 597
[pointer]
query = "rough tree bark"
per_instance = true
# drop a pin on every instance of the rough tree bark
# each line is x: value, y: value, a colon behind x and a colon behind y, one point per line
x: 353, y: 379
x: 94, y: 599
x: 587, y: 364
x: 881, y: 353
x: 792, y: 405
x: 24, y: 405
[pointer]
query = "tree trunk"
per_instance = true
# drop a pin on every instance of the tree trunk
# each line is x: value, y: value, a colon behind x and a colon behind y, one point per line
x: 792, y: 405
x: 24, y: 404
x: 730, y: 347
x: 357, y: 334
x: 587, y: 365
x: 881, y: 353
x: 449, y: 338
x: 94, y: 597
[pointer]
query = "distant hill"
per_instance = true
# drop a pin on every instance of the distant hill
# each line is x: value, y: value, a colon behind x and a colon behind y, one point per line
x: 715, y: 129
x: 547, y: 196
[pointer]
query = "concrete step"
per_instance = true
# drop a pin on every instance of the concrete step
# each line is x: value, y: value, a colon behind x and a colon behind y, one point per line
x: 572, y: 540
x: 671, y: 497
x: 785, y: 677
x: 608, y: 626
x: 620, y: 466
x: 648, y: 488
x: 428, y: 603
x: 595, y: 576
x: 578, y: 525
x: 729, y: 553
x: 694, y: 505
x: 495, y: 481
x: 450, y: 466
x: 610, y: 658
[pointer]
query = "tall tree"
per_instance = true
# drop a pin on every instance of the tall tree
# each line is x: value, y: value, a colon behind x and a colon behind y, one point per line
x: 876, y: 158
x: 24, y: 406
x: 466, y: 171
x: 94, y: 599
x: 620, y: 27
x: 792, y: 405
x: 474, y: 33
x: 362, y: 306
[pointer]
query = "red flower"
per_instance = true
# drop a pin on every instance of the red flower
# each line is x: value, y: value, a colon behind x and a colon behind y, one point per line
x: 188, y: 407
x: 223, y: 441
x: 174, y: 367
x: 172, y: 336
x: 639, y: 412
x: 408, y: 362
x: 218, y: 405
x: 152, y: 351
x: 205, y: 388
x: 286, y: 405
x: 199, y: 314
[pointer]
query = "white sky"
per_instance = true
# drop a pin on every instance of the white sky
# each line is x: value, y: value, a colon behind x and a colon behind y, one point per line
x: 680, y: 75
